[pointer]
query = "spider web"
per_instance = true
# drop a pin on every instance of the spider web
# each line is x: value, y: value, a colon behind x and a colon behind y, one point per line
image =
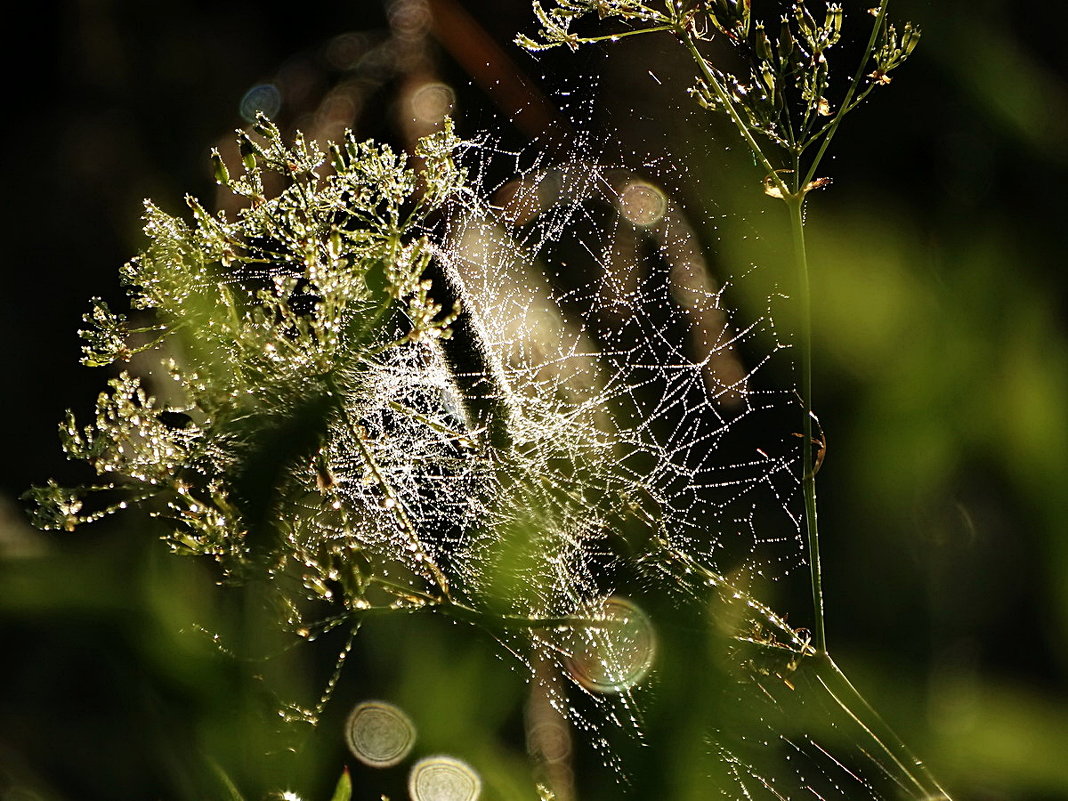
x: 594, y: 468
x: 647, y: 461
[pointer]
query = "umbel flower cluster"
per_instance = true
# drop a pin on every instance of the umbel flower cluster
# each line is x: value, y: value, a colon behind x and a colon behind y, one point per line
x: 267, y: 323
x: 778, y: 83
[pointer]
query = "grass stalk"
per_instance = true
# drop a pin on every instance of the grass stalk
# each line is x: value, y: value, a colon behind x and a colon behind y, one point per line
x: 795, y: 204
x: 849, y: 698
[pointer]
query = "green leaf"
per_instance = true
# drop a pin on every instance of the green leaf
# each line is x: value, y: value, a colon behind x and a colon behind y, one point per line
x: 232, y: 793
x: 343, y: 791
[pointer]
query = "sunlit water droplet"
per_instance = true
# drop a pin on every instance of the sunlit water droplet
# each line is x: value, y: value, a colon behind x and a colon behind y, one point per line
x: 443, y: 778
x: 616, y: 653
x: 379, y: 734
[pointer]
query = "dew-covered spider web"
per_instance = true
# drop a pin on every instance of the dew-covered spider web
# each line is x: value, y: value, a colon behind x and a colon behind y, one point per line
x: 530, y: 406
x: 642, y: 491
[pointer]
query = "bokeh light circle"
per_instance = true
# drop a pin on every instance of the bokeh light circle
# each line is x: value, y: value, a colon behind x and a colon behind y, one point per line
x: 642, y: 203
x: 614, y: 652
x: 443, y: 778
x: 379, y: 734
x: 264, y: 98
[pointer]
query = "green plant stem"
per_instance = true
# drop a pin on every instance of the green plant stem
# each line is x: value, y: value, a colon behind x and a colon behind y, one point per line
x: 615, y: 37
x: 795, y: 203
x: 841, y: 689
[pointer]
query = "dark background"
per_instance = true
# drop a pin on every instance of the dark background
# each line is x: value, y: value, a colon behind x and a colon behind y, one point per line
x: 942, y: 364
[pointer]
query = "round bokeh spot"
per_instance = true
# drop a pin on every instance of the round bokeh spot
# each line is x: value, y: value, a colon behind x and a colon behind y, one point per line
x: 379, y: 734
x: 615, y: 649
x: 443, y: 778
x: 642, y: 203
x: 263, y: 98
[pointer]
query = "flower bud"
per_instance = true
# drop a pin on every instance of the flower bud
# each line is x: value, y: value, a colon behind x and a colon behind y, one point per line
x: 248, y: 149
x: 832, y: 24
x: 263, y: 126
x: 768, y: 78
x: 202, y: 216
x: 909, y: 39
x: 763, y: 46
x: 337, y: 158
x: 787, y: 45
x: 218, y: 168
x: 806, y: 25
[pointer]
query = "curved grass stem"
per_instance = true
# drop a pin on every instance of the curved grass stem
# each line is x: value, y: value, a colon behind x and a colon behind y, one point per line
x: 795, y: 203
x: 856, y: 706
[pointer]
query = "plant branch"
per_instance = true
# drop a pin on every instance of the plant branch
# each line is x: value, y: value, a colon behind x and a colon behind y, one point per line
x: 736, y: 118
x: 847, y: 104
x: 612, y: 37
